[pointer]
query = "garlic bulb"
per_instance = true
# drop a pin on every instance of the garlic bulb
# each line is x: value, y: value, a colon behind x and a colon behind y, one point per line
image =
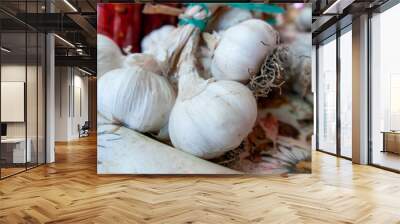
x: 296, y: 63
x: 209, y: 117
x: 242, y: 49
x: 303, y: 20
x: 136, y: 96
x: 227, y: 17
x: 109, y: 55
x: 156, y: 38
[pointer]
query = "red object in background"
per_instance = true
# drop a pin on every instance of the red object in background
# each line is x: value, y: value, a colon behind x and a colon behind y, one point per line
x: 126, y: 25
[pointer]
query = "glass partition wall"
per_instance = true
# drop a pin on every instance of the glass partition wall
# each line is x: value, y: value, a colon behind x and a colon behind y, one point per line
x: 327, y: 96
x: 22, y: 77
x: 385, y: 90
x: 334, y: 105
x: 345, y: 61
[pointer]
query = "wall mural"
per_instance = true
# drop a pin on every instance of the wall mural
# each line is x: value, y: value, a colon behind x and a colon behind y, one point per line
x: 204, y: 88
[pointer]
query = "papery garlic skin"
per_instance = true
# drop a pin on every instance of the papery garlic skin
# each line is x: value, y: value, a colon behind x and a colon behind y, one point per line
x: 156, y: 38
x: 242, y: 49
x: 109, y: 56
x: 228, y: 17
x: 137, y: 98
x: 213, y: 119
x: 145, y: 61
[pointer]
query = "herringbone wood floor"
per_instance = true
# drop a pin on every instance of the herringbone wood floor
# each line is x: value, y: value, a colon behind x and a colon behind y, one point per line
x: 69, y: 191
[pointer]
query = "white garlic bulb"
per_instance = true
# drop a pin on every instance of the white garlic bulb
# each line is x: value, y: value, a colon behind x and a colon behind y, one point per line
x: 227, y: 17
x: 109, y: 56
x: 209, y: 117
x: 304, y: 19
x: 156, y: 38
x: 242, y: 49
x: 136, y: 97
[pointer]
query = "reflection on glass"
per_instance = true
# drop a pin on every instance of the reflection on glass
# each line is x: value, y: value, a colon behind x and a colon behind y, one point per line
x: 22, y: 90
x: 14, y: 153
x: 346, y: 94
x: 327, y: 97
x: 385, y: 84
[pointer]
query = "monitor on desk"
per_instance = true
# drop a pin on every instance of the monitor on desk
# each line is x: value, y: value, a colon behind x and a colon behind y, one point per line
x: 3, y: 130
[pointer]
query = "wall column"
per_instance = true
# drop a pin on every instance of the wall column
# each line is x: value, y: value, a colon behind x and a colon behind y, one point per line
x: 360, y: 90
x: 50, y: 98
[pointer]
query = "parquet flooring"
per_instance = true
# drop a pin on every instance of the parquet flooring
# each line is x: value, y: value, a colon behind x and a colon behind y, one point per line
x: 70, y: 191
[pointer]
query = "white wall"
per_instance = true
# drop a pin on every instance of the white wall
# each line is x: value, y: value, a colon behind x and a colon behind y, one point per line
x: 11, y: 73
x: 70, y: 83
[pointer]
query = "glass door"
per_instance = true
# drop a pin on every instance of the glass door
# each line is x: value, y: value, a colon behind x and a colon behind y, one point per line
x: 14, y: 155
x: 22, y: 78
x: 385, y: 90
x: 346, y: 93
x: 327, y: 96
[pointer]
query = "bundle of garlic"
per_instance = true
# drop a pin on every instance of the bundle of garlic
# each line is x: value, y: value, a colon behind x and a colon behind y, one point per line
x: 138, y: 94
x: 209, y: 117
x: 241, y: 49
x: 109, y: 55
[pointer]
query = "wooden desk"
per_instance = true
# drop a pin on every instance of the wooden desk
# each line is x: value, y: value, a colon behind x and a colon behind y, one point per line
x: 391, y: 141
x: 16, y: 147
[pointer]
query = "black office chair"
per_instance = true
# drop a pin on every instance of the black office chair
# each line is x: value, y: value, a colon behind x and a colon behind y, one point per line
x: 84, y: 130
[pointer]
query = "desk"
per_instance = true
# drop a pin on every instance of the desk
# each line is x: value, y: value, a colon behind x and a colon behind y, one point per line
x: 391, y: 141
x: 16, y: 148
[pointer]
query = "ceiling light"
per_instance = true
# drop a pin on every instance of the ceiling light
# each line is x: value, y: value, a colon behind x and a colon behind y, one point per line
x: 84, y: 71
x: 5, y: 50
x: 329, y: 9
x: 64, y: 40
x: 337, y: 7
x: 70, y: 5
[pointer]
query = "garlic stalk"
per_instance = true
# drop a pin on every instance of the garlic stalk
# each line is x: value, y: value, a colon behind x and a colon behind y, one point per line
x: 241, y: 49
x: 209, y: 117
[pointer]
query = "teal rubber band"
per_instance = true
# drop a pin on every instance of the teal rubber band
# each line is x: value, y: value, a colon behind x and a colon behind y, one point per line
x: 202, y: 5
x: 272, y: 21
x: 261, y: 7
x: 199, y: 23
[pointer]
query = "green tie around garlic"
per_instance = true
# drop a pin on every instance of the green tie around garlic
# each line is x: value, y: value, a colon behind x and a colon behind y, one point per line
x: 209, y: 117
